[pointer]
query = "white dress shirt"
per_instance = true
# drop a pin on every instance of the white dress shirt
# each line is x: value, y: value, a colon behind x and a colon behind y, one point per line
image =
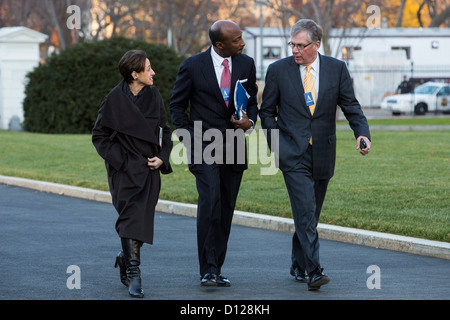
x: 315, y: 68
x: 218, y: 68
x: 217, y: 62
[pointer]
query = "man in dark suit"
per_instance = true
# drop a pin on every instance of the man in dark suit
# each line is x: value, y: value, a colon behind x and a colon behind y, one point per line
x: 303, y: 111
x: 214, y: 138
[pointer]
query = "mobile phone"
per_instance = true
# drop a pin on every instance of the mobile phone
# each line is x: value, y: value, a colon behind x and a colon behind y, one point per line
x: 362, y: 144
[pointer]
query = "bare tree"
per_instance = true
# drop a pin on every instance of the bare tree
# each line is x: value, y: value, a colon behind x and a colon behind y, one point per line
x: 112, y: 17
x: 46, y: 16
x: 49, y: 5
x: 333, y: 14
x: 320, y: 11
x: 21, y: 13
x: 400, y: 14
x: 187, y: 21
x: 440, y: 18
x: 433, y: 7
x: 181, y: 24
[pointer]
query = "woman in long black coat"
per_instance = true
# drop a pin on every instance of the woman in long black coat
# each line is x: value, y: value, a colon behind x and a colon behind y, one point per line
x: 131, y: 135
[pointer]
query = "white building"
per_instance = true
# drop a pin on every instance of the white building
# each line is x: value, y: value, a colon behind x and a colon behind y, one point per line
x: 19, y: 54
x: 377, y: 58
x: 274, y: 46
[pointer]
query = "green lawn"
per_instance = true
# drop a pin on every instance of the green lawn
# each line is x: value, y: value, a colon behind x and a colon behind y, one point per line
x: 406, y: 121
x: 401, y: 187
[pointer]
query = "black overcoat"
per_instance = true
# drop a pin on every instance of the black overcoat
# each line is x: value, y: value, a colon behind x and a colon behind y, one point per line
x: 125, y: 134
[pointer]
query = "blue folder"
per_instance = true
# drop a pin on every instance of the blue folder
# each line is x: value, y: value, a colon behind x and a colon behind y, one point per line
x: 240, y: 98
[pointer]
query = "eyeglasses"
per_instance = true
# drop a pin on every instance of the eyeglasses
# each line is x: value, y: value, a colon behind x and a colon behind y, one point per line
x: 299, y: 47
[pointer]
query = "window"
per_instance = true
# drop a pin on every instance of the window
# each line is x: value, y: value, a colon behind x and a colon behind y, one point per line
x: 426, y: 89
x: 271, y: 52
x: 347, y: 52
x: 445, y: 91
x: 406, y: 49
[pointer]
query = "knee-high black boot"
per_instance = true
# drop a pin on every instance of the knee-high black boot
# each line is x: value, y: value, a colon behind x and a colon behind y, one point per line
x: 131, y: 251
x: 120, y: 262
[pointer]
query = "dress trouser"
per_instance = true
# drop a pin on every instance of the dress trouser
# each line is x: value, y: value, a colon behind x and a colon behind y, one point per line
x: 218, y: 187
x: 306, y: 196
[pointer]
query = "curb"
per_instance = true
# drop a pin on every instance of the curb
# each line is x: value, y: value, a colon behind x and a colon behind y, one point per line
x: 379, y: 240
x: 401, y: 127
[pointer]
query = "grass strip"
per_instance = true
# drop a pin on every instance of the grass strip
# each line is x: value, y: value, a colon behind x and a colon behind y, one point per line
x: 401, y: 187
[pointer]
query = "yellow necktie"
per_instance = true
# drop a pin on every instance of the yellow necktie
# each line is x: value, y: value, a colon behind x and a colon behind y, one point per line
x: 309, y: 87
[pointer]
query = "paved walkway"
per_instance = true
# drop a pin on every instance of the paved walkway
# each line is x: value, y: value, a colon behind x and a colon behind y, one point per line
x: 43, y: 234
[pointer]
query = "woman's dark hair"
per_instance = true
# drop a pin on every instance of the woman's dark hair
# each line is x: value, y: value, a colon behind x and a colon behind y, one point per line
x: 133, y: 60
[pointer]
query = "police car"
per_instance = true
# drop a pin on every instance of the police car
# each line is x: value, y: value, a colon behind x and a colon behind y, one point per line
x: 428, y: 97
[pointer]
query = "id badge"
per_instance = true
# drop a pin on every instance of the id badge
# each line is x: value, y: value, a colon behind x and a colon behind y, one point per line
x: 225, y: 93
x: 309, y: 99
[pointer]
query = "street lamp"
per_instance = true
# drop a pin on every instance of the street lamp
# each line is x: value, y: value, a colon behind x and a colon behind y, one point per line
x: 261, y: 3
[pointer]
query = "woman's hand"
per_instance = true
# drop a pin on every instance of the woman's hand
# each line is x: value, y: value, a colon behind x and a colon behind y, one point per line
x: 154, y: 163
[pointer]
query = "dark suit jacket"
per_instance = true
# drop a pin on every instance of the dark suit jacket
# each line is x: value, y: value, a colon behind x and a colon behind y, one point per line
x: 196, y: 86
x: 284, y: 108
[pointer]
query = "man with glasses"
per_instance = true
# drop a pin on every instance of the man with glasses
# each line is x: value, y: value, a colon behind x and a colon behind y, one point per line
x: 300, y: 100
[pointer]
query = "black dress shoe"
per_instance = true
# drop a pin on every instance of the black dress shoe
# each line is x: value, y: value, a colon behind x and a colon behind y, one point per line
x: 208, y: 280
x: 299, y: 275
x: 317, y: 279
x: 222, y: 281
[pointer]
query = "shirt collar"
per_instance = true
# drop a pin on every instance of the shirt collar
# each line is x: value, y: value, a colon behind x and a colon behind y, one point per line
x: 314, y: 65
x: 217, y: 59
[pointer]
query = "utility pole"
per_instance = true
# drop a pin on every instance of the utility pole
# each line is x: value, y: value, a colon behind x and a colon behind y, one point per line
x: 261, y: 3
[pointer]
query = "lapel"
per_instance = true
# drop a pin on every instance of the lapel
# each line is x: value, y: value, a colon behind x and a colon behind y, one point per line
x: 294, y: 73
x: 323, y: 81
x: 210, y: 77
x: 235, y: 76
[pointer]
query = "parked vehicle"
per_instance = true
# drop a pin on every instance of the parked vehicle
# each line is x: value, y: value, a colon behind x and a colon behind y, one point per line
x: 428, y: 97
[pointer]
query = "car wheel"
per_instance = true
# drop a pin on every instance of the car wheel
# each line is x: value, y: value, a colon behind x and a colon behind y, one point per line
x: 395, y: 113
x: 420, y: 109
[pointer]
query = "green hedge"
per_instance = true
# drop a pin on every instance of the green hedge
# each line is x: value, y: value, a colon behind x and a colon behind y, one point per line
x: 63, y: 94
